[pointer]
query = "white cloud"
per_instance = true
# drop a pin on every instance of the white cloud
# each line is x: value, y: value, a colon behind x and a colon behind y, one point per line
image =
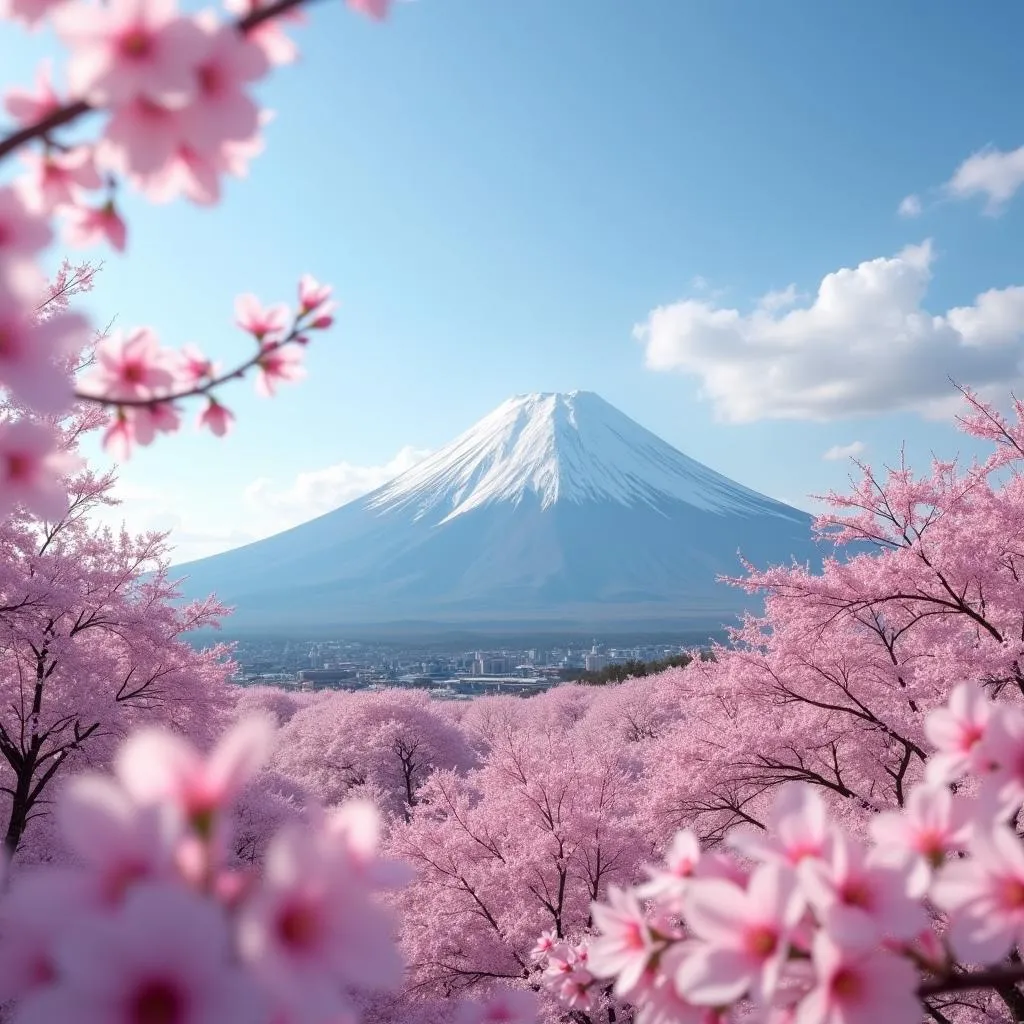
x: 864, y: 345
x: 772, y: 301
x: 313, y: 493
x: 992, y: 173
x: 199, y: 529
x: 844, y: 451
x: 910, y: 206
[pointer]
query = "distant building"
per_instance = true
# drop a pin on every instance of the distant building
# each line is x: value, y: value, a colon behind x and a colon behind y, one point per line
x: 326, y: 675
x: 595, y: 662
x: 493, y: 665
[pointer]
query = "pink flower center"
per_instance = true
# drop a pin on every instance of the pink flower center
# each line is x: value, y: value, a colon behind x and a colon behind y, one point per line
x: 210, y: 79
x: 136, y: 44
x: 854, y: 893
x: 802, y: 848
x: 19, y: 467
x: 133, y: 371
x: 632, y: 936
x: 929, y: 842
x: 762, y: 941
x: 969, y: 735
x: 1011, y: 892
x: 53, y: 173
x: 683, y: 868
x: 157, y: 1002
x: 847, y: 984
x: 299, y: 925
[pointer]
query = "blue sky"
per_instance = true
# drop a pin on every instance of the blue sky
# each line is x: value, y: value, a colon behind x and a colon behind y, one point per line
x: 501, y: 190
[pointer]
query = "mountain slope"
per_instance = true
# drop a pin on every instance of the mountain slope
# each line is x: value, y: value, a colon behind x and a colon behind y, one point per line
x: 553, y: 507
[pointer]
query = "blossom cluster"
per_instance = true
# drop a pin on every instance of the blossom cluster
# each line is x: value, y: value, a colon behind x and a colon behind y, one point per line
x: 173, y: 95
x: 145, y: 380
x: 155, y: 924
x: 803, y: 922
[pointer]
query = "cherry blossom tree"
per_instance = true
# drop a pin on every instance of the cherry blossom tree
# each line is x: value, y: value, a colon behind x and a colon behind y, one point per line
x: 803, y: 922
x: 91, y: 639
x: 379, y: 745
x: 521, y: 844
x: 833, y: 683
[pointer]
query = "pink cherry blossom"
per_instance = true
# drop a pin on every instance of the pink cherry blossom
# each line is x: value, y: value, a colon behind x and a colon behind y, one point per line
x: 929, y: 826
x: 141, y: 138
x: 119, y: 842
x: 562, y: 961
x: 221, y: 109
x: 984, y: 896
x: 149, y: 420
x: 188, y: 173
x: 798, y: 828
x: 277, y: 363
x: 1002, y: 751
x: 625, y: 944
x: 58, y: 179
x: 23, y: 233
x: 312, y: 294
x: 956, y: 730
x: 351, y: 834
x: 575, y: 992
x: 120, y: 969
x: 861, y: 898
x: 265, y: 325
x: 193, y: 367
x: 743, y: 936
x: 859, y: 987
x: 125, y: 50
x: 27, y: 106
x: 119, y: 436
x: 311, y: 930
x: 90, y: 225
x: 658, y: 1000
x: 31, y: 467
x: 131, y: 366
x: 138, y: 425
x: 216, y: 418
x: 544, y: 945
x: 155, y: 765
x: 681, y: 859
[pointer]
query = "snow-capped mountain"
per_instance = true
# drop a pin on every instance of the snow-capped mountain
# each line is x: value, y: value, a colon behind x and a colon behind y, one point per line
x: 555, y: 509
x: 571, y: 447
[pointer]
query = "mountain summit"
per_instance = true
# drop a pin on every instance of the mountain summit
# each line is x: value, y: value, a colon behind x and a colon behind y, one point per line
x: 553, y: 448
x: 554, y: 511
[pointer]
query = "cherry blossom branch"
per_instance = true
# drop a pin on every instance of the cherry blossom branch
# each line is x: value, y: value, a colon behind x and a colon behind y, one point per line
x: 991, y: 977
x: 199, y: 389
x: 71, y: 112
x: 41, y: 129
